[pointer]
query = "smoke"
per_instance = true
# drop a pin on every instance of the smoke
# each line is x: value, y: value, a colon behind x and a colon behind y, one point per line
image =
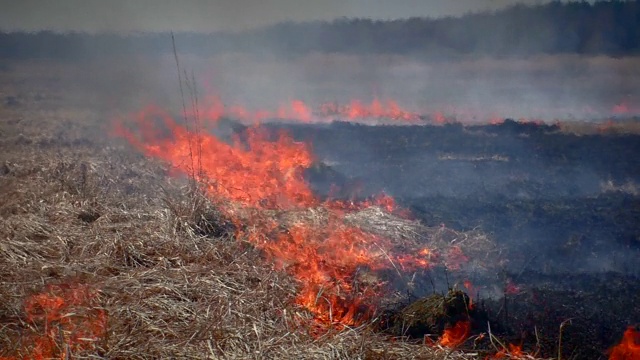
x: 475, y: 69
x: 473, y: 89
x: 207, y: 16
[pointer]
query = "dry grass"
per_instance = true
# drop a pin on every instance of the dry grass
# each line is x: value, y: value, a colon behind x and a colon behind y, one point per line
x: 582, y: 128
x: 80, y: 209
x: 104, y: 217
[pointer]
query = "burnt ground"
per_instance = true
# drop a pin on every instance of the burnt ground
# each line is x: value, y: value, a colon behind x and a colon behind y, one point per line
x: 565, y: 208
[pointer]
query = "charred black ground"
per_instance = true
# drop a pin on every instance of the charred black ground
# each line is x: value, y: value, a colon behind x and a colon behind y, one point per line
x: 561, y: 202
x: 565, y: 207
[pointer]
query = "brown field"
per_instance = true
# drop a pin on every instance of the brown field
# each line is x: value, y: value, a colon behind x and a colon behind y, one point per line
x: 88, y: 221
x: 85, y: 212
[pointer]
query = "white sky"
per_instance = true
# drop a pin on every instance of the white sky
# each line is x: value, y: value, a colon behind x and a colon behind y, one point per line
x: 214, y: 15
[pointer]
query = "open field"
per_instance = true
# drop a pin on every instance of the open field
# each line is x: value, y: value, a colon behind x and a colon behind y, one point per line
x: 565, y: 87
x: 106, y: 252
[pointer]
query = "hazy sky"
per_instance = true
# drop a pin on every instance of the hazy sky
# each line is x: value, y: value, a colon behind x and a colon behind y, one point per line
x: 212, y: 15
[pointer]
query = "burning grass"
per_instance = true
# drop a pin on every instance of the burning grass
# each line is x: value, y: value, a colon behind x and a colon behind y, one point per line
x: 111, y: 254
x: 103, y: 255
x: 256, y: 174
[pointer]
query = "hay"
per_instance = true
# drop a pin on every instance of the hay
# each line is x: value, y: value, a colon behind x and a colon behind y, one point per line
x: 430, y: 315
x: 377, y: 221
x: 482, y: 254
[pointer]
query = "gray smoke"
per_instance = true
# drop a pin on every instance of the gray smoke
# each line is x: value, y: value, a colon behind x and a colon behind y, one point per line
x: 207, y: 16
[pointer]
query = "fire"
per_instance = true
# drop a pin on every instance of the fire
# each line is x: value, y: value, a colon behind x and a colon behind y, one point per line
x: 298, y: 110
x: 326, y: 260
x: 513, y: 352
x: 470, y: 289
x: 65, y: 320
x: 357, y: 110
x: 456, y: 335
x: 257, y: 173
x: 439, y: 118
x: 260, y: 173
x: 629, y: 347
x: 455, y: 258
x: 423, y: 260
x: 469, y: 286
x: 333, y: 257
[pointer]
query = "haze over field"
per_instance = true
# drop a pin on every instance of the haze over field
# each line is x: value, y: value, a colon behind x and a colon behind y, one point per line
x: 219, y: 15
x: 559, y: 60
x: 307, y: 179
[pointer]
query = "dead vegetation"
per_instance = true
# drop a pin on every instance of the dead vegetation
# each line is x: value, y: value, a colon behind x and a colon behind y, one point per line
x: 162, y: 263
x: 629, y: 126
x: 81, y: 211
x: 431, y: 314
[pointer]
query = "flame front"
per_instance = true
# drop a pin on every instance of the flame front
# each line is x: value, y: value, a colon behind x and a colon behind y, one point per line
x: 260, y: 173
x: 256, y: 174
x: 298, y: 110
x: 390, y: 110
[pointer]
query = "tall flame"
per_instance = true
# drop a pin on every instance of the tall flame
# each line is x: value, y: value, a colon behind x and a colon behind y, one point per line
x: 261, y: 173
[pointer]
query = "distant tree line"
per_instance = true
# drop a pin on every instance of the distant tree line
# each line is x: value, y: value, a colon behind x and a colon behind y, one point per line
x: 604, y: 27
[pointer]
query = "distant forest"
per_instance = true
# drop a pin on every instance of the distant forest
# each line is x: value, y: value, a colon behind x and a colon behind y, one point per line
x: 605, y: 27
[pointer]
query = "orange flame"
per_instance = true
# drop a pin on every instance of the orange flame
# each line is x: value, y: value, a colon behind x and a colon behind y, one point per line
x: 470, y: 289
x: 469, y: 286
x: 388, y: 109
x: 621, y: 109
x: 298, y: 110
x: 514, y: 352
x: 260, y: 173
x: 629, y: 347
x: 456, y: 335
x: 357, y: 110
x: 65, y: 320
